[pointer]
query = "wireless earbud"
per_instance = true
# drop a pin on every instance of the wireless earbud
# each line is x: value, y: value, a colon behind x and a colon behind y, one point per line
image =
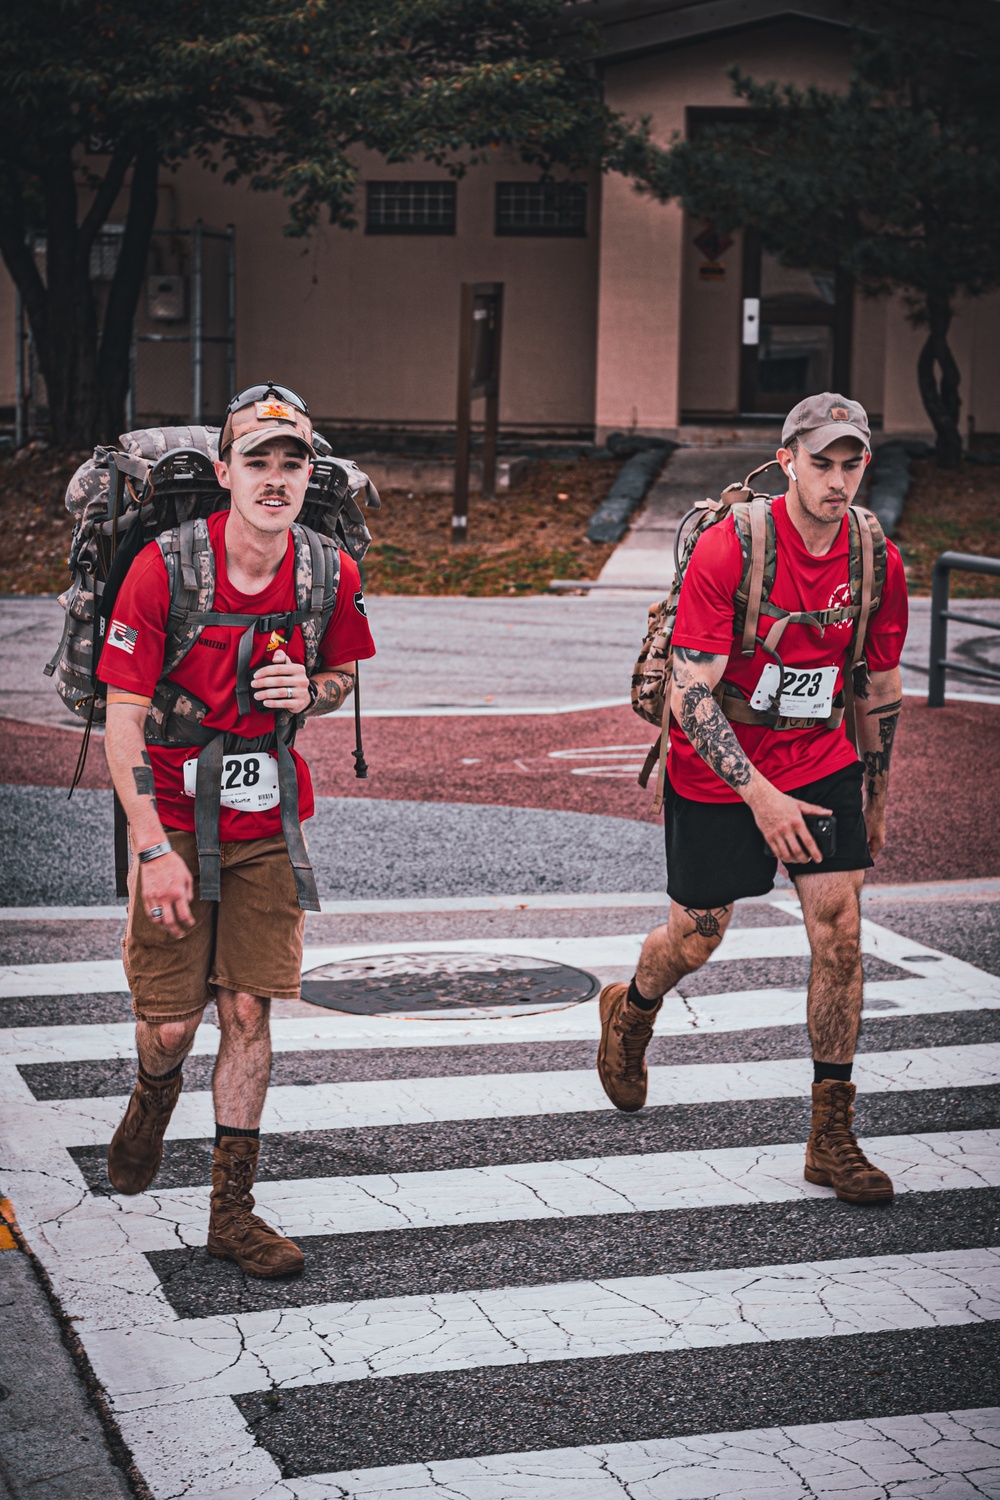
x: 791, y: 470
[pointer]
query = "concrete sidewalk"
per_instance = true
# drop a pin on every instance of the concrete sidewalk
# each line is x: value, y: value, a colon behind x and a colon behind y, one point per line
x: 644, y: 558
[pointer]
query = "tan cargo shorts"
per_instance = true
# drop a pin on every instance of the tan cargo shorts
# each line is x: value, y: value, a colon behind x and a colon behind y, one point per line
x: 250, y: 940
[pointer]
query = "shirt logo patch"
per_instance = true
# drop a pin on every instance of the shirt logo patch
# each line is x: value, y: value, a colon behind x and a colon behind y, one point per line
x: 122, y: 636
x: 277, y: 639
x: 360, y: 605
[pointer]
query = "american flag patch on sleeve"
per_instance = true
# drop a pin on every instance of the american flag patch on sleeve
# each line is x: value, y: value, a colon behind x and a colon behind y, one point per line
x: 122, y: 636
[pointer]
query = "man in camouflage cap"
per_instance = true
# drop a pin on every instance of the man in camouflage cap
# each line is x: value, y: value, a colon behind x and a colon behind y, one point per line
x: 760, y: 766
x: 228, y: 925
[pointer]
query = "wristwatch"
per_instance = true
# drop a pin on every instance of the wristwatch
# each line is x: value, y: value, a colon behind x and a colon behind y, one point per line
x: 313, y: 695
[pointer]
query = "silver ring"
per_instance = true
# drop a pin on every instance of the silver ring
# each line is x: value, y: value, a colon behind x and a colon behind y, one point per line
x: 156, y: 912
x: 289, y: 693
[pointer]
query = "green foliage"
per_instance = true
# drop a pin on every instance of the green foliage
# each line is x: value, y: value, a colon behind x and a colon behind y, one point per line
x: 895, y: 180
x: 97, y: 95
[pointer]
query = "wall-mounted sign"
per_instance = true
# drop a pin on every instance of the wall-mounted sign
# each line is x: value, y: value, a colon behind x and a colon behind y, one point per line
x: 712, y: 244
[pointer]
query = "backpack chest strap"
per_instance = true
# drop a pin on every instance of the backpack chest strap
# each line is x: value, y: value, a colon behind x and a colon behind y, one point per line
x: 251, y: 625
x: 818, y: 619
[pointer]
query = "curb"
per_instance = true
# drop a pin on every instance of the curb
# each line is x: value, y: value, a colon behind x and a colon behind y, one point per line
x: 889, y: 480
x: 45, y: 1356
x: 609, y: 522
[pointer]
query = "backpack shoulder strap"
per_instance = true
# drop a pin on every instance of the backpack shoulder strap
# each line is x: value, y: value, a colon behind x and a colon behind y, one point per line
x: 190, y: 563
x: 317, y: 579
x: 754, y: 524
x: 868, y: 561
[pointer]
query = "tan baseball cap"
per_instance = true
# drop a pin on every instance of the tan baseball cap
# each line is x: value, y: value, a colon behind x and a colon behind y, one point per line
x: 260, y: 421
x: 820, y: 420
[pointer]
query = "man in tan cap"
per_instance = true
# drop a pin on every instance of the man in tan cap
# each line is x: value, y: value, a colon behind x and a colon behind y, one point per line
x: 760, y: 767
x: 220, y: 878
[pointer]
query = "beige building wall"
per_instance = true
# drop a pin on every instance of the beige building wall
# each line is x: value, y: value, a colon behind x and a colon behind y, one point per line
x: 642, y: 370
x: 366, y: 326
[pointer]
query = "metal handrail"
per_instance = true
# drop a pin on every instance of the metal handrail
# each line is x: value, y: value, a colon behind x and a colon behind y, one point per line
x: 963, y: 562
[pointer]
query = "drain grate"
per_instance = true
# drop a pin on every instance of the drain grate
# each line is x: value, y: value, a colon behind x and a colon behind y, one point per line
x: 446, y: 984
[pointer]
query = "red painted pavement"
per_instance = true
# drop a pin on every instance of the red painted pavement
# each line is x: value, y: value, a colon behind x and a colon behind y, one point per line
x: 944, y: 804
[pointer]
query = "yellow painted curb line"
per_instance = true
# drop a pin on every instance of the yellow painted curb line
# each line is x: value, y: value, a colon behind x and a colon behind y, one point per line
x: 9, y: 1218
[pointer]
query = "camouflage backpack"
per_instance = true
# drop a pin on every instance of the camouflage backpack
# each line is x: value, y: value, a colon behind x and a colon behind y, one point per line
x: 163, y: 488
x: 754, y: 526
x: 122, y: 500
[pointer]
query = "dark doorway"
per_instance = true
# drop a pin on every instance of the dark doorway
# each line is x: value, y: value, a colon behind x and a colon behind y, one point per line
x: 796, y: 333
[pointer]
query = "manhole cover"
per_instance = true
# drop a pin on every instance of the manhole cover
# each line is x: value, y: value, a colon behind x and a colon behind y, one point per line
x: 443, y: 984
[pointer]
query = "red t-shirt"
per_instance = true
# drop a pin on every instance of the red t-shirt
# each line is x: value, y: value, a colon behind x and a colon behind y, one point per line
x: 793, y: 757
x: 132, y: 661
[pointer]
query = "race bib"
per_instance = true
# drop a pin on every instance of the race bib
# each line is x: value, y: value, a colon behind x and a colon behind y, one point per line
x: 802, y: 692
x: 249, y: 782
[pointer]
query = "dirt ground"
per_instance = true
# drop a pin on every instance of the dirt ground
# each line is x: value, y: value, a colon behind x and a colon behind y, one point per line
x: 516, y: 543
x: 951, y: 511
x: 35, y: 527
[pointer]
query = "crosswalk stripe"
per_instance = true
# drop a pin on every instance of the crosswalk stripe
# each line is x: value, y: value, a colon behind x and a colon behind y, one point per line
x: 415, y: 1100
x: 575, y: 1320
x: 71, y: 1062
x: 929, y: 1453
x: 564, y: 1189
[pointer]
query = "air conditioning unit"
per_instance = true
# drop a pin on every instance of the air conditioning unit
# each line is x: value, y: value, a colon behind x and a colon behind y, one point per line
x: 166, y: 298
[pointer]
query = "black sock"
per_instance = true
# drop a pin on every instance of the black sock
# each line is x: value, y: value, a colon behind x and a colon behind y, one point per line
x: 159, y: 1077
x: 221, y: 1130
x: 841, y: 1072
x: 636, y: 997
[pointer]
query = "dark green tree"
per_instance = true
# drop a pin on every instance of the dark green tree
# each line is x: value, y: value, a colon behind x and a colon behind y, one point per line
x: 99, y: 97
x: 895, y: 180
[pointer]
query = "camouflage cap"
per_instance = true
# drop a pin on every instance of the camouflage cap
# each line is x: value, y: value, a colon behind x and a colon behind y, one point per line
x: 260, y: 421
x: 820, y: 420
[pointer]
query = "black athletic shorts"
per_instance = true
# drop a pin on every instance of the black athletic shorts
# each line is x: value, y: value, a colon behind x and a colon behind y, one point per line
x: 716, y: 854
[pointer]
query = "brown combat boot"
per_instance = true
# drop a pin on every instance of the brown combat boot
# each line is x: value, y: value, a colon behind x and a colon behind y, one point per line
x: 136, y: 1148
x: 621, y: 1056
x: 833, y: 1156
x: 234, y: 1231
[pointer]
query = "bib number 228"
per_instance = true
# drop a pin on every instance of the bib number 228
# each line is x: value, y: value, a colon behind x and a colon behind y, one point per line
x: 249, y: 782
x: 801, y: 692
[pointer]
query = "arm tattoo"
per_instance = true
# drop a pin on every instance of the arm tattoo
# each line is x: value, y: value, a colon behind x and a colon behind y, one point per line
x: 886, y: 708
x: 706, y: 923
x: 704, y: 723
x: 334, y: 688
x: 877, y: 761
x: 684, y: 654
x: 143, y: 778
x: 709, y: 731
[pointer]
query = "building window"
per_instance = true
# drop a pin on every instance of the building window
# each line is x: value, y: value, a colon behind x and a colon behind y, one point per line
x: 556, y: 208
x: 411, y: 208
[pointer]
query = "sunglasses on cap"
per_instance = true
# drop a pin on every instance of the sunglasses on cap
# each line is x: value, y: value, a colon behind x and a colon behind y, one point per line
x: 261, y: 393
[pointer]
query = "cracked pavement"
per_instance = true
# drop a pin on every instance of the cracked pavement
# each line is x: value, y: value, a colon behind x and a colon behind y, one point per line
x: 507, y: 1306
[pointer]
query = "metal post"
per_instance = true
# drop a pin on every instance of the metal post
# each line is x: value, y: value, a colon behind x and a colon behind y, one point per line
x: 231, y: 308
x: 493, y: 408
x: 940, y: 585
x: 463, y: 419
x: 18, y: 372
x: 197, y: 369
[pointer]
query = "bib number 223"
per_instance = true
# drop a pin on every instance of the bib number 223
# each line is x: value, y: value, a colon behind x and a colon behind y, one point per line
x: 801, y: 692
x: 249, y: 782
